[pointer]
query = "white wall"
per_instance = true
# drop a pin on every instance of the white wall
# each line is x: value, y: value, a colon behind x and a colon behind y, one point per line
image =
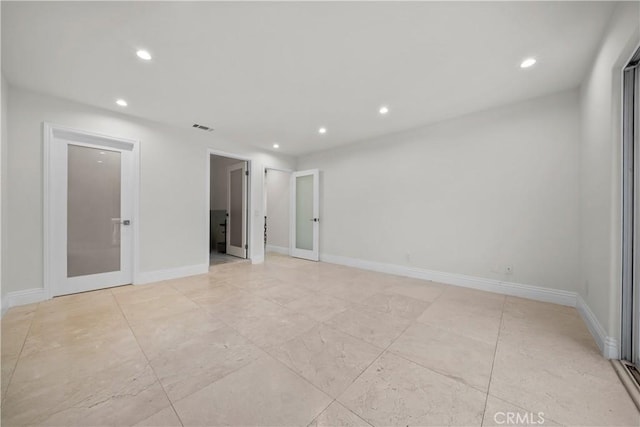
x: 600, y: 173
x: 469, y: 196
x: 219, y: 181
x: 278, y: 205
x: 173, y: 185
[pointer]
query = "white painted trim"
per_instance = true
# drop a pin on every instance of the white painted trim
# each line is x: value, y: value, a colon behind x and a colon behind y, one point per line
x: 171, y: 273
x: 490, y: 285
x: 278, y: 249
x: 27, y: 296
x: 608, y: 345
x: 257, y: 259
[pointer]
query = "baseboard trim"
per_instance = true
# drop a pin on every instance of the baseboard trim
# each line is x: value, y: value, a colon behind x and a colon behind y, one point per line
x: 490, y: 285
x: 170, y: 273
x: 278, y: 249
x: 257, y: 259
x: 28, y: 296
x: 608, y: 345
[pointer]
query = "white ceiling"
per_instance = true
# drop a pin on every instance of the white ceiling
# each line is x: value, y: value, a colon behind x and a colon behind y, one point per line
x: 263, y: 72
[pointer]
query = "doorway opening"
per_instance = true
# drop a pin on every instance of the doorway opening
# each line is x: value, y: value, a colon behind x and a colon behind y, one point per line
x: 228, y: 209
x: 630, y: 343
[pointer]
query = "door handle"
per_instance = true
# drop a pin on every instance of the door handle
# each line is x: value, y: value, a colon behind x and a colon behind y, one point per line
x: 315, y: 219
x: 121, y: 221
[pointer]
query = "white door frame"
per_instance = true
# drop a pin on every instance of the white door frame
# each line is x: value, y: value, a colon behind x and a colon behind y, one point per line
x: 251, y: 254
x: 313, y: 254
x: 50, y: 133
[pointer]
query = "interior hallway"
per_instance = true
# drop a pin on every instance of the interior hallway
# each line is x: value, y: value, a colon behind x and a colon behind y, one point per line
x: 292, y: 342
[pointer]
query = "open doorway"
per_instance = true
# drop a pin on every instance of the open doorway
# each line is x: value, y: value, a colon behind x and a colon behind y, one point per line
x: 228, y: 203
x: 277, y: 198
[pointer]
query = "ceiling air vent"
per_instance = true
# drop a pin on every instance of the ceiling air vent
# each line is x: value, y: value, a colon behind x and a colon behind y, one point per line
x: 207, y: 128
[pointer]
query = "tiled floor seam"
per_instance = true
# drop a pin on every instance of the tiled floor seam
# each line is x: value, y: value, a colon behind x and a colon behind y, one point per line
x: 281, y: 363
x: 367, y: 367
x: 401, y: 356
x: 495, y: 352
x: 320, y: 413
x: 272, y: 357
x: 24, y: 341
x: 148, y: 362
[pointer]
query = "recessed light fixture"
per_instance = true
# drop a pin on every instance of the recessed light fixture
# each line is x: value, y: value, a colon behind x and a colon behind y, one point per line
x: 383, y: 110
x: 144, y: 54
x: 122, y: 102
x: 276, y: 145
x: 322, y: 131
x: 527, y: 63
x: 100, y: 161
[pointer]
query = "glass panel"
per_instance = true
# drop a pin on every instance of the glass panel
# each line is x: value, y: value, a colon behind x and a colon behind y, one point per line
x: 304, y: 212
x: 93, y: 211
x: 235, y: 214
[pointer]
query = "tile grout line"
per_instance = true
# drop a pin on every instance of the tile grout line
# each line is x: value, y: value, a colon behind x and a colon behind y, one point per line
x: 262, y: 350
x: 495, y: 352
x: 20, y: 352
x: 148, y: 361
x: 368, y: 366
x: 333, y: 399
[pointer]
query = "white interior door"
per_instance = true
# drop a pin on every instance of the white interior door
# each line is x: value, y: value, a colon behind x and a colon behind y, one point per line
x: 237, y: 210
x: 90, y: 205
x: 305, y: 211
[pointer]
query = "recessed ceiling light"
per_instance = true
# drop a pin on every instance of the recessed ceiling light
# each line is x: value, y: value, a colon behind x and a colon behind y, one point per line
x: 144, y: 54
x: 276, y: 145
x: 527, y: 63
x: 384, y: 110
x: 121, y: 102
x: 99, y: 161
x: 322, y: 131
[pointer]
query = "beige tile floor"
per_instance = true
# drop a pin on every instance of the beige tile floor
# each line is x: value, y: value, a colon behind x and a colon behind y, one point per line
x: 296, y: 343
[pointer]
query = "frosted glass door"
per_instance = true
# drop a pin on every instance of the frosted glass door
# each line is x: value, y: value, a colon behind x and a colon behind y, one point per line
x: 237, y: 210
x: 93, y: 211
x: 90, y: 237
x: 305, y: 220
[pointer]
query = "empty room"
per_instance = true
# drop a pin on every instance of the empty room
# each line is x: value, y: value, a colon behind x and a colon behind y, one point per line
x: 320, y: 213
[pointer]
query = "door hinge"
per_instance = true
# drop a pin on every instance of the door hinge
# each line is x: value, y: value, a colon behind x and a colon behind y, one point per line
x: 246, y: 246
x: 246, y: 173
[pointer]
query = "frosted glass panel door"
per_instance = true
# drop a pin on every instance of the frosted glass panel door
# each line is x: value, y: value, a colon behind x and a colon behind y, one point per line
x: 90, y: 230
x: 237, y: 210
x: 305, y: 216
x: 93, y: 211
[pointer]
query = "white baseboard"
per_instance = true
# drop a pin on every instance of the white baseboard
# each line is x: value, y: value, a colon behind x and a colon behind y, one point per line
x: 490, y: 285
x: 27, y: 296
x: 608, y: 345
x: 278, y: 249
x: 257, y: 259
x: 170, y: 273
